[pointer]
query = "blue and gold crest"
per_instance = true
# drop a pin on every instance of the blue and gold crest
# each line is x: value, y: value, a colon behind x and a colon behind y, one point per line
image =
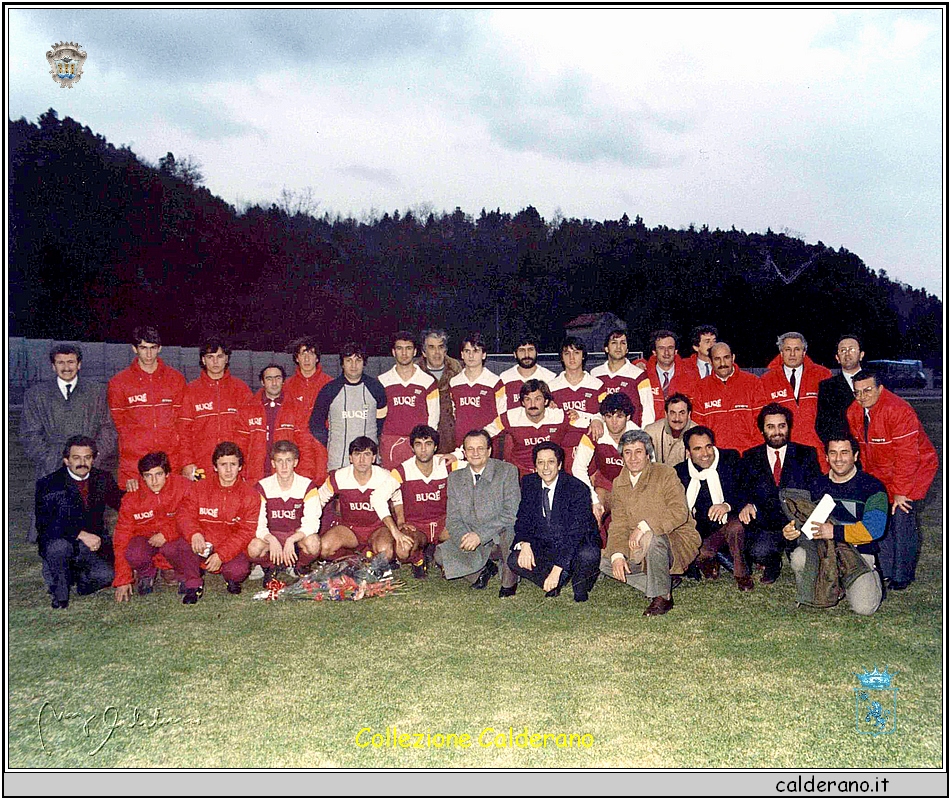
x: 876, y: 703
x: 66, y: 61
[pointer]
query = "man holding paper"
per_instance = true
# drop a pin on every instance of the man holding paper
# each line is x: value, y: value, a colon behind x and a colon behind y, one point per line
x: 859, y: 516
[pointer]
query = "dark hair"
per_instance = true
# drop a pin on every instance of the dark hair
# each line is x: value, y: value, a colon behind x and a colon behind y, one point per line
x: 403, y: 336
x: 352, y: 349
x: 678, y: 397
x: 272, y: 365
x: 526, y: 339
x: 535, y: 385
x: 153, y: 460
x: 305, y: 342
x: 617, y: 402
x: 663, y: 333
x: 556, y: 448
x: 866, y: 374
x: 362, y: 443
x: 611, y: 335
x: 476, y: 340
x: 66, y: 350
x: 146, y: 333
x: 699, y: 430
x: 227, y: 449
x: 575, y: 343
x: 848, y: 336
x: 285, y: 446
x: 211, y: 346
x: 699, y: 331
x: 423, y: 432
x: 478, y: 432
x: 773, y: 408
x: 80, y: 441
x: 841, y: 437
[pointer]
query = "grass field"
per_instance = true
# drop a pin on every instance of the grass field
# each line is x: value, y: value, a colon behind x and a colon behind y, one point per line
x: 724, y: 680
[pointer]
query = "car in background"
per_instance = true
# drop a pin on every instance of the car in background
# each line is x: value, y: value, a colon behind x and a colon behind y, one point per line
x: 900, y: 374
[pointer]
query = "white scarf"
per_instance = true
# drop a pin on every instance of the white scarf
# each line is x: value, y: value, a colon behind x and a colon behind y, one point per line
x: 710, y: 476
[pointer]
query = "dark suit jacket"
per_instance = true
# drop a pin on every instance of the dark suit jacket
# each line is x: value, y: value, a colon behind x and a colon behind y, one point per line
x: 800, y: 469
x: 730, y: 481
x: 835, y: 397
x: 60, y: 513
x: 571, y: 522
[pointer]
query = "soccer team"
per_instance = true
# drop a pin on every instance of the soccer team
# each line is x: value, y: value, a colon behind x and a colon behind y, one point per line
x: 645, y: 472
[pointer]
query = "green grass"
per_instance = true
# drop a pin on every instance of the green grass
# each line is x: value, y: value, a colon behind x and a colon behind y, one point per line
x: 724, y: 680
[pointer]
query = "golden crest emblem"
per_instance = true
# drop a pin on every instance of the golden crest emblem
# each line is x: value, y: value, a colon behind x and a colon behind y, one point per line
x: 66, y: 63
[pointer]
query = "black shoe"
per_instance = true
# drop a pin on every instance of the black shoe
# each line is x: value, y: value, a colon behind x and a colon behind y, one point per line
x: 234, y: 587
x: 693, y: 572
x: 145, y: 585
x: 581, y: 598
x: 487, y: 572
x: 59, y: 603
x: 553, y: 592
x: 268, y: 576
x: 419, y: 572
x: 181, y: 587
x: 675, y: 581
x: 192, y: 596
x: 898, y: 586
x: 771, y: 573
x: 508, y: 591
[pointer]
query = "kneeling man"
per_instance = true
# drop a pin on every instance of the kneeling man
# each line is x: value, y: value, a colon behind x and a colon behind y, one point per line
x: 848, y: 545
x: 652, y: 534
x: 556, y: 535
x: 290, y: 515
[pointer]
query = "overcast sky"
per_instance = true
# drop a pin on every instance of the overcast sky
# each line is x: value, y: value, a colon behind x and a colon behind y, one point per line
x: 825, y: 124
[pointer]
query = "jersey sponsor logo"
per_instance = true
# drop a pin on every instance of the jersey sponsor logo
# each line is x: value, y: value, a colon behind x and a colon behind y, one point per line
x: 475, y: 402
x: 613, y: 461
x: 780, y: 393
x: 655, y: 390
x: 612, y: 389
x: 283, y: 513
x: 574, y: 405
x: 256, y: 421
x: 422, y: 497
x: 405, y: 401
x: 362, y: 506
x: 713, y: 403
x: 208, y: 512
x: 209, y: 406
x: 144, y: 515
x: 536, y: 440
x: 138, y: 398
x: 354, y: 414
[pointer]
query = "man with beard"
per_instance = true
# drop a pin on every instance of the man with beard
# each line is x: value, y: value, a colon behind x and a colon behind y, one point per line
x: 897, y: 451
x: 667, y: 433
x: 443, y: 369
x: 620, y: 375
x: 411, y: 399
x: 792, y: 380
x: 418, y: 521
x: 526, y: 354
x: 729, y: 400
x: 712, y: 480
x: 837, y: 393
x: 668, y: 373
x: 860, y: 514
x: 478, y: 395
x: 776, y: 464
x: 598, y: 462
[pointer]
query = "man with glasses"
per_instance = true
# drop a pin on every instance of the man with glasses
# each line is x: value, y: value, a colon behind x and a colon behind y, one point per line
x: 895, y: 449
x: 835, y: 393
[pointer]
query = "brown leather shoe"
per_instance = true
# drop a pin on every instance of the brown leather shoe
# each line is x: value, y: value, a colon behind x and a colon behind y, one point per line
x: 659, y: 605
x: 744, y: 584
x: 709, y: 568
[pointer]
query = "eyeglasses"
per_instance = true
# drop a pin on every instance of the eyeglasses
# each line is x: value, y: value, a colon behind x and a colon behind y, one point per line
x: 844, y: 350
x: 867, y: 391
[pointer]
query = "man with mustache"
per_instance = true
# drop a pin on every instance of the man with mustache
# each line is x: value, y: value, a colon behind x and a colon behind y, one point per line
x: 526, y: 354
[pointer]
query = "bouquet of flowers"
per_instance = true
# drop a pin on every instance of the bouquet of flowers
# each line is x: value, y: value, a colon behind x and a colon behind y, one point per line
x: 351, y: 578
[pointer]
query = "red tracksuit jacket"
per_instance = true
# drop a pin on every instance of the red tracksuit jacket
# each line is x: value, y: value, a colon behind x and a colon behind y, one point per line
x: 685, y: 380
x: 730, y: 408
x: 210, y: 415
x: 291, y: 424
x: 778, y: 390
x: 226, y: 517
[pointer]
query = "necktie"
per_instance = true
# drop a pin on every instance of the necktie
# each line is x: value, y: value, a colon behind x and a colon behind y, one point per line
x: 706, y: 369
x: 868, y: 421
x: 777, y: 469
x: 666, y: 384
x: 478, y: 476
x: 546, y: 503
x: 69, y: 391
x: 792, y: 382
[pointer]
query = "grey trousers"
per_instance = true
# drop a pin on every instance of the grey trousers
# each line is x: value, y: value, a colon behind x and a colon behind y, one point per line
x: 865, y: 593
x: 654, y: 580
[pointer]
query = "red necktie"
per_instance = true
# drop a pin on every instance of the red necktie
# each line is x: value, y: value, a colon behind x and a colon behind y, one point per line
x: 666, y: 385
x: 777, y: 469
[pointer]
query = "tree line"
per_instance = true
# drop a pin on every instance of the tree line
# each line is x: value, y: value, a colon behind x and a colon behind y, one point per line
x: 102, y: 241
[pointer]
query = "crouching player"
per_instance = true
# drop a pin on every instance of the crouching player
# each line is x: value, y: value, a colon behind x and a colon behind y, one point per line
x: 357, y: 527
x: 418, y: 522
x: 290, y: 515
x: 217, y: 522
x: 146, y: 526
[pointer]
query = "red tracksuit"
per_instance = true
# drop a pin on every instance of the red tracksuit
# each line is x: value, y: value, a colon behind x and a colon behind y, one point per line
x: 685, y: 380
x: 145, y: 409
x: 729, y: 408
x: 778, y: 390
x: 305, y: 391
x: 290, y: 424
x: 211, y: 411
x: 898, y: 451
